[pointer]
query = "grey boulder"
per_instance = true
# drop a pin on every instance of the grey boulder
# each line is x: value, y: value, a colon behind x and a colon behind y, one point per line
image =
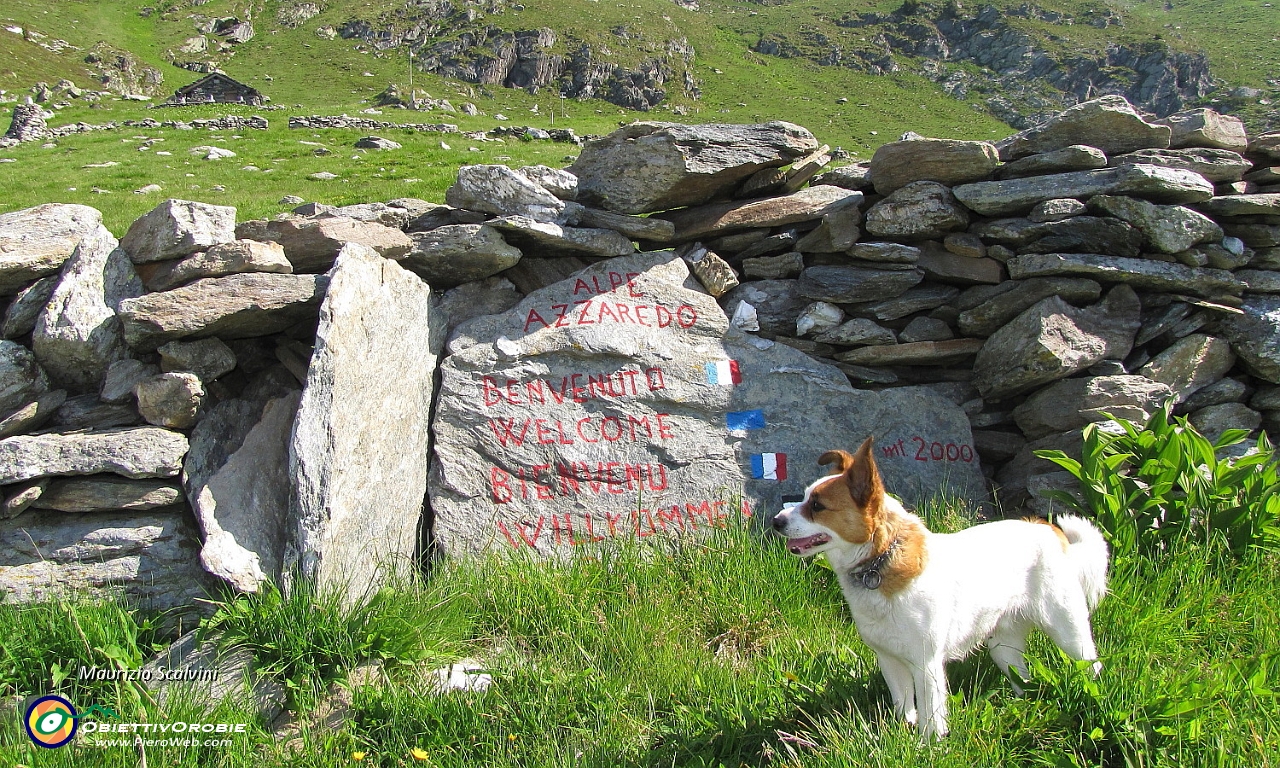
x: 35, y: 242
x: 644, y: 167
x: 454, y: 254
x: 946, y: 161
x: 77, y: 334
x: 1109, y: 123
x: 1053, y: 340
x: 178, y: 228
x: 921, y: 210
x: 501, y: 191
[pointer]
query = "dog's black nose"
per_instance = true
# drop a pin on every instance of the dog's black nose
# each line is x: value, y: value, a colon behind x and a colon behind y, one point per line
x: 778, y: 522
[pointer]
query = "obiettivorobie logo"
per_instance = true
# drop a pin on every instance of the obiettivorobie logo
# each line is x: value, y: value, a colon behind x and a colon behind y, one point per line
x: 52, y: 721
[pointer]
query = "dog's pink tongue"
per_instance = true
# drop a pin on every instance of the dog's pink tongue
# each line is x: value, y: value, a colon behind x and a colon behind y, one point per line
x: 800, y: 545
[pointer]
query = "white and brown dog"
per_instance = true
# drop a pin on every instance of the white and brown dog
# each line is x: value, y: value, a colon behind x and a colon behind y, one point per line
x: 921, y: 599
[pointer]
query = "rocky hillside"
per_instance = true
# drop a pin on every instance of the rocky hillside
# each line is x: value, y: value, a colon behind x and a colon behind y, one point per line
x: 1018, y: 62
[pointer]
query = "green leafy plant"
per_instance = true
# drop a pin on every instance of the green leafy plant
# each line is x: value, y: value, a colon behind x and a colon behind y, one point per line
x: 1151, y: 486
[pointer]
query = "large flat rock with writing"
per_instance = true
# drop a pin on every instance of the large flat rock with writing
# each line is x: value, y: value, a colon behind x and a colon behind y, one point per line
x: 359, y: 451
x: 35, y: 242
x: 619, y: 403
x: 644, y: 167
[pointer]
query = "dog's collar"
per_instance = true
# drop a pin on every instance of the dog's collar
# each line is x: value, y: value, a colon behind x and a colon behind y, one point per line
x: 867, y: 573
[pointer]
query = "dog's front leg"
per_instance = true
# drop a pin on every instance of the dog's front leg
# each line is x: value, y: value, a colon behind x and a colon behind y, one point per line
x: 901, y: 686
x: 931, y: 695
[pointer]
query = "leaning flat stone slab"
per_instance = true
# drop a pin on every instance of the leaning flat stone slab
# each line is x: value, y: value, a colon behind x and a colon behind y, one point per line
x: 1190, y: 364
x: 719, y: 218
x: 643, y: 414
x: 35, y: 242
x: 546, y: 240
x: 149, y: 556
x: 1243, y: 205
x: 1167, y: 185
x: 843, y: 284
x: 221, y: 259
x: 1140, y: 273
x: 1109, y: 123
x: 232, y: 307
x: 917, y: 299
x: 176, y: 229
x: 1076, y: 157
x: 644, y: 167
x: 242, y: 504
x: 947, y: 352
x: 947, y: 267
x: 104, y: 493
x: 135, y: 452
x: 33, y: 415
x: 359, y: 452
x: 20, y: 316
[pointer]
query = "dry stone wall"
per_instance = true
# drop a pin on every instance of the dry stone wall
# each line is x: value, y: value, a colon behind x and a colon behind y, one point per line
x: 560, y: 357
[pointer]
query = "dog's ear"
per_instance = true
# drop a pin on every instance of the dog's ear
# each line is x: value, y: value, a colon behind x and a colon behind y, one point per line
x: 863, y: 476
x: 841, y: 459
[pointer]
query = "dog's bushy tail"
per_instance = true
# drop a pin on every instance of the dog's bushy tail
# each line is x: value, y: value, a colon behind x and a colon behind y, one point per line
x: 1089, y: 550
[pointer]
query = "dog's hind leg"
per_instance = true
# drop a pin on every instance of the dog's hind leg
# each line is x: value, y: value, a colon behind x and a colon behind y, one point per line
x: 901, y: 686
x: 1008, y: 646
x: 931, y: 698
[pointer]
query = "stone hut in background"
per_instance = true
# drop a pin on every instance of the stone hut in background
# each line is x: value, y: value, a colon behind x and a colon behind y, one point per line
x: 217, y: 88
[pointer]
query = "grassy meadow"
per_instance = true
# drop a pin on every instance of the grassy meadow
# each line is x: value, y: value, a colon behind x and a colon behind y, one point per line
x: 730, y: 652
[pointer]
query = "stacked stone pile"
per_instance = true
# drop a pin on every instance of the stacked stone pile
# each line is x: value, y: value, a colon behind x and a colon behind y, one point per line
x: 665, y: 334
